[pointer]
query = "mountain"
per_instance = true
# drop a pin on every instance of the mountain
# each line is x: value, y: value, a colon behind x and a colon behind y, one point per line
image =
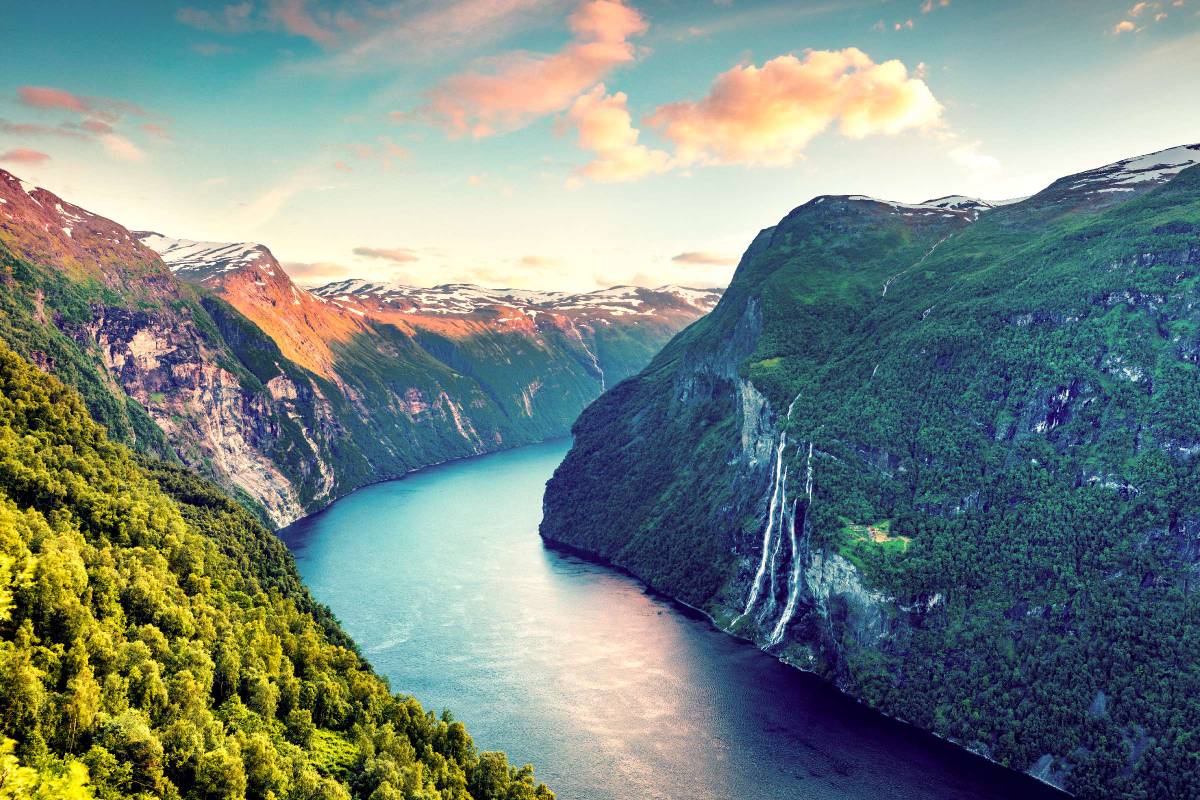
x: 209, y: 353
x: 156, y: 641
x: 945, y: 457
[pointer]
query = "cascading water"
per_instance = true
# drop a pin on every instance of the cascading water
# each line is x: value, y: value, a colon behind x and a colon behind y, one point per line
x: 778, y: 502
x: 789, y: 610
x: 595, y: 361
x: 777, y: 474
x: 770, y: 604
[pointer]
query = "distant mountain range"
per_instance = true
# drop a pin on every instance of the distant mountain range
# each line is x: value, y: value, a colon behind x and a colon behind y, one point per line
x: 946, y: 456
x: 210, y: 353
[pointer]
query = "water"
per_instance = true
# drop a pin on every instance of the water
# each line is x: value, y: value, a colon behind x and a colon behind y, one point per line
x: 609, y: 691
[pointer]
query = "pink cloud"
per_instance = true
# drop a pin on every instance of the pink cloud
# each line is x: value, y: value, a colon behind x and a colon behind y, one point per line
x: 156, y: 130
x: 1124, y: 26
x: 296, y: 19
x: 121, y: 147
x: 398, y: 255
x: 525, y: 86
x: 47, y: 97
x: 929, y: 5
x: 769, y: 114
x: 96, y: 126
x: 24, y: 155
x: 605, y: 127
x: 100, y: 118
x: 36, y: 129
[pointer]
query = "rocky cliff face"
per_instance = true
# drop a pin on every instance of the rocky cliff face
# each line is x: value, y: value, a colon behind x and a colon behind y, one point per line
x: 290, y: 398
x: 941, y: 454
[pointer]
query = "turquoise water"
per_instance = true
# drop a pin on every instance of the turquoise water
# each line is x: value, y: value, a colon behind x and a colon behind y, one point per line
x: 611, y: 692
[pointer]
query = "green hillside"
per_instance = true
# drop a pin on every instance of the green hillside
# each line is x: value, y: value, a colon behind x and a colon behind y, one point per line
x: 156, y: 641
x: 999, y: 539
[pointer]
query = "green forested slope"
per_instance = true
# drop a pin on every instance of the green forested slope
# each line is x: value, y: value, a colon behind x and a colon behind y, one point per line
x: 1002, y: 539
x: 155, y: 641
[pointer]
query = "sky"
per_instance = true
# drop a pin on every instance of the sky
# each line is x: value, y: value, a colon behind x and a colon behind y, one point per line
x: 569, y: 144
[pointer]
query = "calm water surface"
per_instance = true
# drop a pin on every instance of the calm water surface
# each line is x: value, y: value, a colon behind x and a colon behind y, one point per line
x: 611, y: 692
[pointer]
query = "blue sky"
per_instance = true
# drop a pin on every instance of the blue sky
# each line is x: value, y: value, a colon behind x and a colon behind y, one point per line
x: 569, y: 143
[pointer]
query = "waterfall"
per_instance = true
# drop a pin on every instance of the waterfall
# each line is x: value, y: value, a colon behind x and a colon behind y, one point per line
x: 771, y: 602
x: 595, y: 361
x: 776, y: 480
x: 920, y: 261
x: 778, y: 492
x: 789, y: 610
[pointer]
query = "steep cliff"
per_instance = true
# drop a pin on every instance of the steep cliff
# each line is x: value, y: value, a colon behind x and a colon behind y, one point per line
x: 289, y: 398
x: 944, y: 455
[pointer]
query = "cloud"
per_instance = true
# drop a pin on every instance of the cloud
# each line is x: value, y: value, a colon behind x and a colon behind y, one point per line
x: 401, y: 32
x: 384, y: 151
x: 1124, y: 26
x: 361, y: 35
x: 929, y: 5
x: 704, y: 258
x: 296, y: 19
x: 397, y: 255
x: 230, y: 19
x: 540, y: 262
x: 99, y: 118
x: 605, y: 127
x: 157, y: 131
x: 1138, y: 8
x: 23, y: 155
x: 68, y: 131
x: 969, y: 156
x: 312, y: 273
x: 769, y: 114
x: 121, y: 147
x: 524, y: 86
x: 263, y: 208
x: 47, y: 97
x: 103, y: 108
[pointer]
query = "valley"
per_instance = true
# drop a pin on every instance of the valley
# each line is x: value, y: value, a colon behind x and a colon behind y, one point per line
x: 211, y: 354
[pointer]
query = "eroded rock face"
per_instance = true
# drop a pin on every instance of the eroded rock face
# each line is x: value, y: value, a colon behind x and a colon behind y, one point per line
x: 204, y: 409
x: 293, y: 397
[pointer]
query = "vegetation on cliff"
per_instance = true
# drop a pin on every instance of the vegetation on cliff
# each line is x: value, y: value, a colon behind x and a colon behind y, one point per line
x: 1004, y: 444
x: 156, y: 641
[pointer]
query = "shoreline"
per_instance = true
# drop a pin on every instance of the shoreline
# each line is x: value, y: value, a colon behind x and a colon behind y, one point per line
x: 694, y: 612
x: 401, y: 476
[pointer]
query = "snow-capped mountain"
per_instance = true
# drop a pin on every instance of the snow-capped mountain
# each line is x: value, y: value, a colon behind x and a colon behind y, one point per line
x: 1142, y: 172
x: 199, y: 261
x: 463, y: 299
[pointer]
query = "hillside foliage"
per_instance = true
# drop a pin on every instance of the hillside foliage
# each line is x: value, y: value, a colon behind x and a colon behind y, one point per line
x: 156, y: 641
x: 1018, y: 414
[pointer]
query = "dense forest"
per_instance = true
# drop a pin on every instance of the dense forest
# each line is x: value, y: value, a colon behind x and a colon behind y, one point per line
x: 994, y: 496
x: 156, y: 641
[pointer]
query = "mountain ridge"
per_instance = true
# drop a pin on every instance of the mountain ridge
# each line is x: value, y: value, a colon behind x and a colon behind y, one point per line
x: 289, y: 399
x: 934, y: 459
